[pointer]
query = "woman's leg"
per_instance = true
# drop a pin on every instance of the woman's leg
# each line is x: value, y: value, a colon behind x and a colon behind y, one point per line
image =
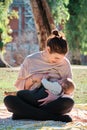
x: 59, y: 106
x: 33, y: 96
x: 23, y: 110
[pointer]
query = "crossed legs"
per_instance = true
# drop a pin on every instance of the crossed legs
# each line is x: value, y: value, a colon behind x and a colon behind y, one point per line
x: 23, y: 109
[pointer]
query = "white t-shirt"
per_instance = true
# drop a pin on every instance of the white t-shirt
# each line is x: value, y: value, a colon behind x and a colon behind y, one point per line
x: 53, y: 87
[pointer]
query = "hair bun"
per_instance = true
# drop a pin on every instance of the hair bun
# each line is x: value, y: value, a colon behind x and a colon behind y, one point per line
x: 55, y: 32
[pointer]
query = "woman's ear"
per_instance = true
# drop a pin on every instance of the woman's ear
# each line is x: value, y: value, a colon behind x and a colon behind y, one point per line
x: 48, y: 49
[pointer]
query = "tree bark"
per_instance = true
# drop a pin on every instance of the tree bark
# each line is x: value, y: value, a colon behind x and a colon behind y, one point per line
x: 43, y: 21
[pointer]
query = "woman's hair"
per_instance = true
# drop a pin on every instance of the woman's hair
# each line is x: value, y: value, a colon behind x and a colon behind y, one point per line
x: 57, y: 43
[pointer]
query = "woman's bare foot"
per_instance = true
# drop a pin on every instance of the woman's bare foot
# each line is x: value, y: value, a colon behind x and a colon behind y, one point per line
x: 10, y: 93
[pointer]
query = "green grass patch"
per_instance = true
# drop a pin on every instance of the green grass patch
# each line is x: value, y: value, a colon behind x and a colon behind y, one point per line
x: 80, y: 79
x: 8, y: 77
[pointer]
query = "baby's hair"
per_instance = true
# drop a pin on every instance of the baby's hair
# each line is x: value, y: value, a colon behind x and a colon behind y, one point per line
x: 68, y: 85
x: 57, y: 43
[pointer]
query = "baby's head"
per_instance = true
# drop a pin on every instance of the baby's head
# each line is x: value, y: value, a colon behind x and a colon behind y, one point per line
x: 68, y: 86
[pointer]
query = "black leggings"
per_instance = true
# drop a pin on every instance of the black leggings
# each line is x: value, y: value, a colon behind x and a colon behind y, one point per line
x: 33, y: 96
x: 24, y: 107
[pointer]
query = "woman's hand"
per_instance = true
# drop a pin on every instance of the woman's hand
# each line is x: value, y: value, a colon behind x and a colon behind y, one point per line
x: 29, y: 82
x: 51, y: 97
x: 37, y: 77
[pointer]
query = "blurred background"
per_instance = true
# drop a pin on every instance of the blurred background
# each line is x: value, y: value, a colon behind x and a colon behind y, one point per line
x: 25, y: 25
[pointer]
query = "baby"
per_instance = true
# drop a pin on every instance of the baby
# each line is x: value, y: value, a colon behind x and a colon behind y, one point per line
x: 67, y: 87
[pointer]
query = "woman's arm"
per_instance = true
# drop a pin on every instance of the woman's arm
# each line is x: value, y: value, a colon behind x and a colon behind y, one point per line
x: 29, y: 82
x: 35, y: 78
x: 23, y: 73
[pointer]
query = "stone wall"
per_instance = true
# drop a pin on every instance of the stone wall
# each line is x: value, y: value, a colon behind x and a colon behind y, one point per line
x: 20, y: 48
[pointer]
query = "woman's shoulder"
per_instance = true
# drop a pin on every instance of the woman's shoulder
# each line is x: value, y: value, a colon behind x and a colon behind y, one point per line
x: 66, y: 64
x: 33, y: 55
x: 66, y: 61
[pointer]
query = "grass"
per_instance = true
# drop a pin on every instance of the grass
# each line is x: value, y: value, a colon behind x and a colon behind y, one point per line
x: 80, y: 79
x: 8, y: 77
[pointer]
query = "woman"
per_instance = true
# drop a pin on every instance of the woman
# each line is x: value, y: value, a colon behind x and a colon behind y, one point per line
x: 51, y: 62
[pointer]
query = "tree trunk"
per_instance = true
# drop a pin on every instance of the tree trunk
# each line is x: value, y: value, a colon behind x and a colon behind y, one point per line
x: 43, y: 21
x: 3, y: 63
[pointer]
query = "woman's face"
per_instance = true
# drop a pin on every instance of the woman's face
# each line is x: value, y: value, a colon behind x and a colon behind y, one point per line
x: 55, y: 57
